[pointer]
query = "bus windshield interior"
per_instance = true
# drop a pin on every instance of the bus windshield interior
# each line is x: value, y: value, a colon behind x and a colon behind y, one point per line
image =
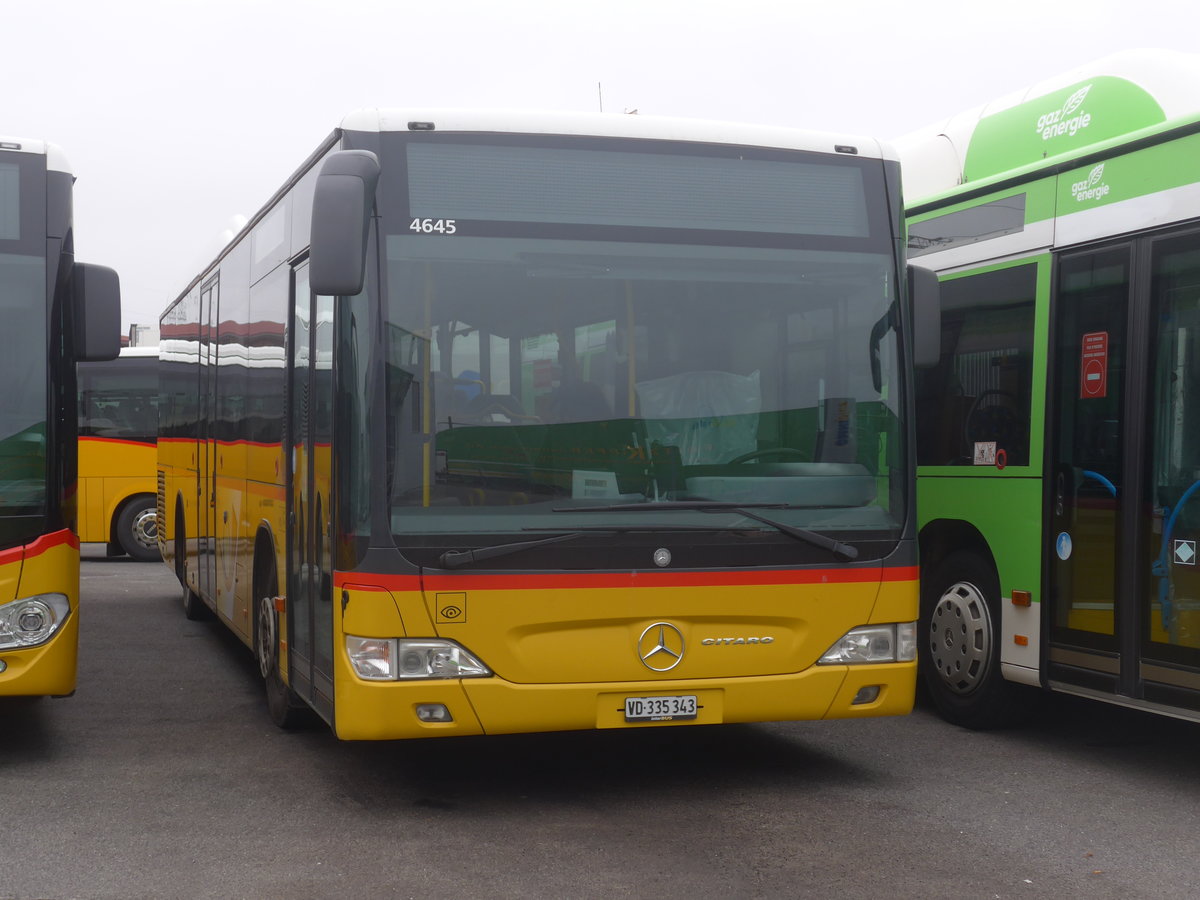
x: 23, y: 406
x: 535, y: 378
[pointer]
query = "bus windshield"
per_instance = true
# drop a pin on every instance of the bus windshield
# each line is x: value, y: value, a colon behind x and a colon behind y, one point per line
x: 119, y: 399
x: 554, y: 363
x: 23, y: 350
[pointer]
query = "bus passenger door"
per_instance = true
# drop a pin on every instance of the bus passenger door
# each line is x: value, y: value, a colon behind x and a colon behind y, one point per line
x: 206, y: 449
x: 1086, y: 556
x: 1169, y: 515
x: 1125, y: 491
x: 310, y: 583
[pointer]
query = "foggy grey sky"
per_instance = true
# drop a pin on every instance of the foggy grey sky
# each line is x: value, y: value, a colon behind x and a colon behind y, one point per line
x: 178, y: 115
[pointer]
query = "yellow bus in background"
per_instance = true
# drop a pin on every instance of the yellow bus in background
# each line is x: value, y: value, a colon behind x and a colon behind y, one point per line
x: 56, y: 312
x: 118, y: 423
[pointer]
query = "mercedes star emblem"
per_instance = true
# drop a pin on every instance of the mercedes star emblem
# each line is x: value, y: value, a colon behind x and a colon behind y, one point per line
x: 660, y: 648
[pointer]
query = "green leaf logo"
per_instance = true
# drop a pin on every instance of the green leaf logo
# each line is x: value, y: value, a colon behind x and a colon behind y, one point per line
x: 1075, y: 101
x: 1095, y: 175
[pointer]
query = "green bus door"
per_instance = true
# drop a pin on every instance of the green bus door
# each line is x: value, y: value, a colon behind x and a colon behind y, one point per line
x: 1124, y: 479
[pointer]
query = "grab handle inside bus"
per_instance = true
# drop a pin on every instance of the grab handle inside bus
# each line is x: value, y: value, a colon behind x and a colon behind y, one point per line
x: 96, y: 296
x: 343, y: 200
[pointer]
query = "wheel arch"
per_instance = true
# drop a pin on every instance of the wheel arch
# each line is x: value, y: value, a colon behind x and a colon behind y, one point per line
x: 179, y: 540
x: 943, y: 537
x: 266, y: 558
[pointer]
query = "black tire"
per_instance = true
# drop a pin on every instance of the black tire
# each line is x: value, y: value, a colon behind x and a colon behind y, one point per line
x: 959, y: 646
x: 284, y: 706
x: 193, y: 607
x: 137, y: 529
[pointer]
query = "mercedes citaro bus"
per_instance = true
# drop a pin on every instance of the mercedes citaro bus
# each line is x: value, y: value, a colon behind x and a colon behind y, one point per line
x: 506, y: 422
x: 57, y: 312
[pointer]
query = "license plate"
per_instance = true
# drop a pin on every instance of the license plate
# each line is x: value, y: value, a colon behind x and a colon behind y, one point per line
x: 660, y: 709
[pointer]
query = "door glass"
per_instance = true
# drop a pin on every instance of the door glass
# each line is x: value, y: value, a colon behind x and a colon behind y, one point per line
x: 1172, y: 506
x: 320, y: 463
x: 209, y: 317
x: 300, y: 557
x: 973, y: 408
x: 1093, y: 291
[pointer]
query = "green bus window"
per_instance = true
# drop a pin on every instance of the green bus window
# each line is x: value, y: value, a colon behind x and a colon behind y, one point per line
x: 976, y: 401
x: 967, y: 226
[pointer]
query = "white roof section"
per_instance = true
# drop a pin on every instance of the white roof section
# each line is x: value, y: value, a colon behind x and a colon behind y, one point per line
x: 934, y: 158
x: 127, y: 352
x: 56, y: 160
x: 509, y: 121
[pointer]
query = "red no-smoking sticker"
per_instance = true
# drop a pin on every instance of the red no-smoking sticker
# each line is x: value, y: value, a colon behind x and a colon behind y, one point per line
x: 1093, y: 366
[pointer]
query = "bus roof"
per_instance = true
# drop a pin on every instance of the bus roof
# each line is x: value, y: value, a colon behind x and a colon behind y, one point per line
x: 1063, y: 117
x: 127, y: 352
x: 56, y: 160
x: 611, y: 125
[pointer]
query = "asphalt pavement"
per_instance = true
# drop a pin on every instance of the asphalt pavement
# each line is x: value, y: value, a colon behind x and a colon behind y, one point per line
x: 163, y: 777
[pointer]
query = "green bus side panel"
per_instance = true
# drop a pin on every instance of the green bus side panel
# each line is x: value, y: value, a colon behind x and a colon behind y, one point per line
x: 1063, y: 121
x: 1006, y: 511
x: 1126, y: 177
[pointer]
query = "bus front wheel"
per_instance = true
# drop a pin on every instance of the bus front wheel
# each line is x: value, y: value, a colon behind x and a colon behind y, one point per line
x: 193, y: 607
x: 959, y: 649
x: 286, y: 709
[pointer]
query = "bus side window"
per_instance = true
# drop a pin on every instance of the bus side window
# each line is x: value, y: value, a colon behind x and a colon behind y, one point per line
x: 980, y: 391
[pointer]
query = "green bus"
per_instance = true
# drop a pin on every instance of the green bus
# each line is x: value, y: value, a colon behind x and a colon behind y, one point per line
x: 1059, y: 435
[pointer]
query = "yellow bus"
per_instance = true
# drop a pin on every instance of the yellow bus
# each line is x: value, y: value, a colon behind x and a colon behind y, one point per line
x: 511, y: 422
x: 58, y: 312
x: 118, y: 429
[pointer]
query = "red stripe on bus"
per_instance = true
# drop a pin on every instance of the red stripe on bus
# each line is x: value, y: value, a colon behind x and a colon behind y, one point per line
x: 568, y: 580
x: 41, y: 545
x: 107, y: 440
x: 270, y: 445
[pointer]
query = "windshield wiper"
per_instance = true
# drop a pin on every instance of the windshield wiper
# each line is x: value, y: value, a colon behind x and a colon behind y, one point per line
x: 846, y: 551
x: 669, y: 504
x: 456, y: 559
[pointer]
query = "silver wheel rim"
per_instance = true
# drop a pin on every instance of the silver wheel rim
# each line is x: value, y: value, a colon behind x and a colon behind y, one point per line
x: 266, y: 635
x: 960, y: 637
x: 145, y: 529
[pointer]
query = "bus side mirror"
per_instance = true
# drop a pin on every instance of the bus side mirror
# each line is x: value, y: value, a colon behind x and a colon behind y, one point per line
x: 96, y: 296
x: 924, y: 294
x: 341, y: 217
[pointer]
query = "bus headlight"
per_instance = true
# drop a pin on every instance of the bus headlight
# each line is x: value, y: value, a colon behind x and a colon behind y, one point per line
x: 401, y: 659
x: 32, y: 620
x: 874, y: 644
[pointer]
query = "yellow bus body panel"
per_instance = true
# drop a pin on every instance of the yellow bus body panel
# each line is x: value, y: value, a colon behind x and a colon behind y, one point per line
x: 49, y: 565
x: 110, y: 472
x: 566, y: 657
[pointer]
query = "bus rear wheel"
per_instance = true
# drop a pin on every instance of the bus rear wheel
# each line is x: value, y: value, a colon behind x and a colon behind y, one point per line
x: 959, y: 649
x: 137, y: 529
x: 285, y: 708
